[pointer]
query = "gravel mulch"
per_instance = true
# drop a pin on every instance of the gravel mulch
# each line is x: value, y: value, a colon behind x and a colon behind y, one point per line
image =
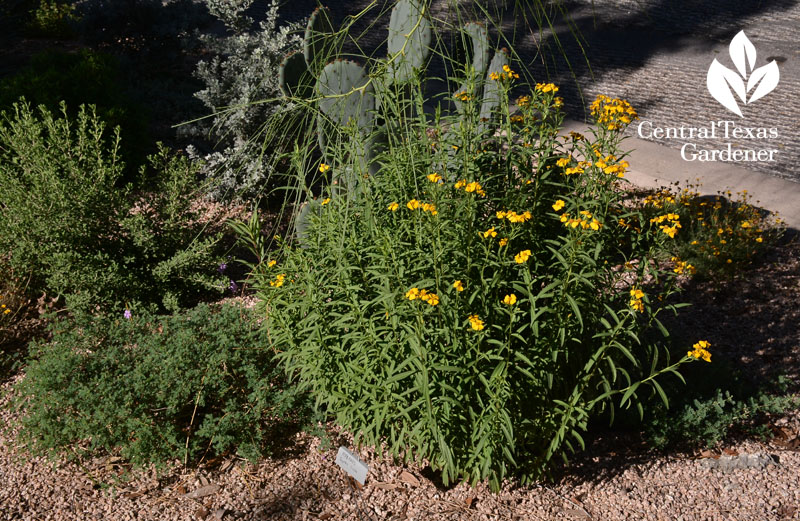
x: 751, y: 322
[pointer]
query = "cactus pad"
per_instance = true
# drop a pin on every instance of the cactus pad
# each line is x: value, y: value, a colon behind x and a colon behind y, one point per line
x: 294, y: 78
x: 409, y: 39
x: 341, y: 102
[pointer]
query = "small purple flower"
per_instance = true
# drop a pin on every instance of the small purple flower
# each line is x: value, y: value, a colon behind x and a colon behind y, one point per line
x: 222, y: 268
x: 127, y: 314
x: 234, y: 287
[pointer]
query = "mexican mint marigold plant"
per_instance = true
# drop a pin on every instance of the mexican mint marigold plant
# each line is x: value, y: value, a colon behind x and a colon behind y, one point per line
x: 476, y: 301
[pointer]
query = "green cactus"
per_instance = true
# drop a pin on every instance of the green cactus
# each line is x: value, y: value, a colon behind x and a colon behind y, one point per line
x: 318, y: 39
x: 409, y: 40
x: 476, y: 51
x: 492, y: 91
x: 294, y: 78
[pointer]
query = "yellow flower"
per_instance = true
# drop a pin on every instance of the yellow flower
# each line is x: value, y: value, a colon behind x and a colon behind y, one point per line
x: 461, y: 184
x: 278, y: 282
x: 501, y: 214
x: 271, y: 263
x: 637, y: 294
x: 434, y: 178
x: 564, y: 161
x: 475, y: 322
x: 412, y: 294
x: 510, y: 300
x: 413, y: 204
x: 430, y: 298
x: 427, y: 207
x: 458, y: 285
x: 393, y: 207
x: 489, y: 233
x: 700, y: 351
x: 759, y: 239
x: 546, y: 87
x: 474, y: 186
x: 522, y: 256
x: 503, y: 241
x: 326, y: 201
x: 324, y: 168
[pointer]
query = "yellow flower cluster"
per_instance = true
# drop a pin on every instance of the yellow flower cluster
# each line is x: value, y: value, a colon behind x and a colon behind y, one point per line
x: 546, y: 87
x: 514, y: 217
x: 507, y: 74
x: 613, y: 114
x: 278, y: 282
x: 558, y: 205
x: 471, y: 186
x: 503, y: 241
x: 510, y: 300
x: 564, y: 161
x: 522, y: 257
x: 489, y: 233
x: 700, y: 351
x: 584, y: 219
x: 673, y: 223
x: 682, y: 267
x: 659, y: 199
x: 324, y: 168
x: 426, y: 207
x: 523, y: 101
x: 423, y: 295
x: 463, y: 96
x: 558, y: 102
x: 6, y: 311
x: 434, y: 178
x: 393, y: 206
x: 326, y: 201
x: 475, y: 322
x: 517, y: 118
x: 636, y: 300
x: 458, y: 285
x: 608, y: 166
x: 573, y: 170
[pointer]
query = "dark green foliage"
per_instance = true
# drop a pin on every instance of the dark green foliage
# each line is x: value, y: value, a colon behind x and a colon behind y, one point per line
x: 85, y: 77
x: 53, y: 19
x: 65, y: 220
x: 147, y: 384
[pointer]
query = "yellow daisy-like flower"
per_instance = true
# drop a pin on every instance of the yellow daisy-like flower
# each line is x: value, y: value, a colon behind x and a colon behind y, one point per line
x: 271, y: 263
x: 413, y: 204
x: 522, y: 256
x: 324, y: 168
x: 278, y: 282
x: 503, y: 241
x: 474, y: 186
x: 412, y: 294
x: 510, y: 300
x: 564, y: 161
x: 475, y: 322
x: 637, y: 293
x: 326, y: 201
x: 558, y: 205
x: 461, y: 183
x: 489, y: 233
x: 700, y: 351
x: 458, y: 285
x: 434, y: 178
x: 393, y: 207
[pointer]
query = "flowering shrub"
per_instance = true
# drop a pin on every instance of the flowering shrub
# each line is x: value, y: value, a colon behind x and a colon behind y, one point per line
x: 722, y: 234
x: 479, y: 298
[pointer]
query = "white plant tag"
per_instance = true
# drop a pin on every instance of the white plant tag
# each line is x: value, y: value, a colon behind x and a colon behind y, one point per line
x: 352, y: 465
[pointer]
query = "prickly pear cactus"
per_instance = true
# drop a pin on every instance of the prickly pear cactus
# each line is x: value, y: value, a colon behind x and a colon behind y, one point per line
x: 409, y: 40
x: 318, y: 42
x: 491, y: 90
x: 477, y: 52
x: 294, y: 78
x: 347, y: 95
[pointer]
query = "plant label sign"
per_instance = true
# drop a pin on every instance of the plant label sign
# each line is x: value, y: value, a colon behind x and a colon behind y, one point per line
x: 352, y: 465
